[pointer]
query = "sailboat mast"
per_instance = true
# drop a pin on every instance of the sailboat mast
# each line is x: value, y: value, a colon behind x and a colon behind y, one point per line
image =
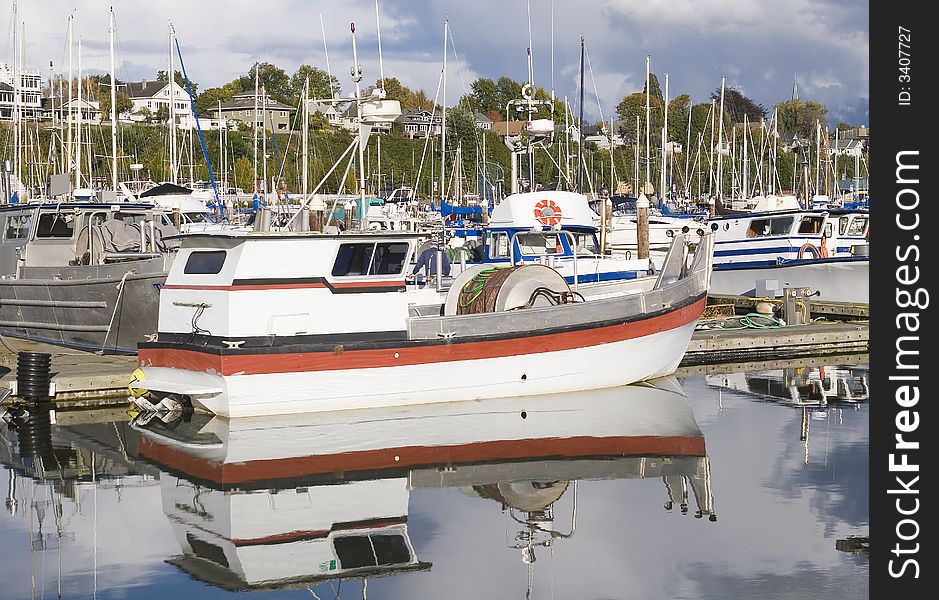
x: 746, y: 159
x: 720, y: 146
x: 357, y: 78
x: 648, y: 122
x: 255, y: 147
x: 263, y: 127
x: 306, y: 136
x: 113, y: 110
x: 580, y: 124
x: 68, y: 144
x: 443, y: 111
x: 662, y: 180
x: 16, y: 97
x: 78, y: 125
x: 171, y: 80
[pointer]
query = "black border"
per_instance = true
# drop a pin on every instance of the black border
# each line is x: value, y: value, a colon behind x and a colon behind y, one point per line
x: 899, y: 128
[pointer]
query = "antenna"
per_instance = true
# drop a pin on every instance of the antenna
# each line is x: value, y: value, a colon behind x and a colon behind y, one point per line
x: 381, y: 65
x: 326, y: 50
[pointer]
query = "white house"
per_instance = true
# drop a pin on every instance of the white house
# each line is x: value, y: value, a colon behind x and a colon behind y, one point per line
x: 153, y: 95
x: 29, y: 93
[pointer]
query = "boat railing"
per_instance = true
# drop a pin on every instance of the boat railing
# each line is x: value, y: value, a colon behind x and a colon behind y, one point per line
x: 570, y: 238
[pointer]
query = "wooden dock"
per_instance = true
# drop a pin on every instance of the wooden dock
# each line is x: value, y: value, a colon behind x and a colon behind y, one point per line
x: 86, y: 380
x: 830, y: 310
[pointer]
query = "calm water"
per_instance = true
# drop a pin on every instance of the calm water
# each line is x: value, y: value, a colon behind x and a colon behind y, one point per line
x: 719, y: 486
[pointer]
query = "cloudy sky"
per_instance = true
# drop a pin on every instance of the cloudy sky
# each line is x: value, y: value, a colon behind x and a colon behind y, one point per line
x: 758, y: 45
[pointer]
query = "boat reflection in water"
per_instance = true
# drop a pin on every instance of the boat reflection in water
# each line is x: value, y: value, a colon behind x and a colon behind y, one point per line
x: 801, y: 386
x: 277, y: 502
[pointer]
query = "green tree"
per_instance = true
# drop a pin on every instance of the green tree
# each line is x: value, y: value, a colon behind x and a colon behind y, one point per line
x: 799, y: 117
x: 124, y: 104
x: 737, y: 106
x: 272, y: 78
x: 394, y: 89
x: 322, y: 84
x: 634, y: 105
x: 162, y: 114
x: 208, y: 100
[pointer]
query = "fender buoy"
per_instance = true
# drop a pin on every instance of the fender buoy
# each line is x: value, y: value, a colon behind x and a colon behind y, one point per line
x: 810, y: 247
x: 547, y: 212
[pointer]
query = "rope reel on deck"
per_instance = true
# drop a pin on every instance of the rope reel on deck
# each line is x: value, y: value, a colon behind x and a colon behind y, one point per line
x: 487, y: 289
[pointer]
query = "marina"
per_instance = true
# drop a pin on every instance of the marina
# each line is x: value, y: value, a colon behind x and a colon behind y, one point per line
x: 593, y: 327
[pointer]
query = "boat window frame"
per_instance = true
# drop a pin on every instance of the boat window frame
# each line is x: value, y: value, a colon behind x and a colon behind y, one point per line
x: 371, y: 258
x: 496, y: 242
x: 209, y: 270
x: 28, y: 216
x: 56, y: 215
x: 852, y: 232
x: 769, y: 222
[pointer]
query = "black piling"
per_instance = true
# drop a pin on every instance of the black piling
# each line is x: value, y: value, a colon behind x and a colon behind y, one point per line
x: 33, y: 375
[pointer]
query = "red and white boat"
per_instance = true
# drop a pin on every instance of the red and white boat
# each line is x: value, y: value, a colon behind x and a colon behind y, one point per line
x: 270, y: 323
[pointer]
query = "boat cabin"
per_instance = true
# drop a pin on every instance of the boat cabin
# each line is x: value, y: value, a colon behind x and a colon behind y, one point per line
x: 55, y: 235
x: 797, y: 234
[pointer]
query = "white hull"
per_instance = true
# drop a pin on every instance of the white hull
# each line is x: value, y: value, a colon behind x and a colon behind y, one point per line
x: 593, y: 367
x: 837, y: 281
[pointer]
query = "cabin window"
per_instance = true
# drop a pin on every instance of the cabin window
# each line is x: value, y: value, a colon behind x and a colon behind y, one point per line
x: 499, y: 245
x: 586, y: 243
x: 829, y: 230
x: 811, y: 225
x: 355, y: 552
x: 205, y: 263
x: 539, y: 243
x: 17, y: 227
x: 369, y: 258
x: 842, y: 225
x: 55, y: 225
x: 858, y: 226
x: 774, y: 226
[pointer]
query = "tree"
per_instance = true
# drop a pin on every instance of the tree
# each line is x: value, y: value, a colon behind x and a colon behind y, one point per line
x: 737, y: 106
x: 274, y: 80
x: 634, y: 105
x: 209, y: 99
x: 124, y: 104
x: 417, y: 100
x: 180, y: 81
x: 394, y: 89
x: 162, y: 113
x: 322, y: 84
x: 655, y: 91
x: 799, y: 117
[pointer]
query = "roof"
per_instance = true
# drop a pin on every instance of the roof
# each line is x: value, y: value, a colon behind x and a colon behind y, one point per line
x: 246, y: 100
x: 143, y: 89
x: 481, y: 118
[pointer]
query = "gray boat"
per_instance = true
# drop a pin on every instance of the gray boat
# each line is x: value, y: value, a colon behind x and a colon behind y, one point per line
x: 84, y: 275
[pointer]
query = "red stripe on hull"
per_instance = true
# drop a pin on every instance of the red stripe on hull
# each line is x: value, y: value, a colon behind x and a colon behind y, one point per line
x: 414, y: 456
x: 284, y: 286
x: 340, y: 359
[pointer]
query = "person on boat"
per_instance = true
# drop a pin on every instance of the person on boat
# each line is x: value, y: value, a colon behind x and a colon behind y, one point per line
x: 427, y: 260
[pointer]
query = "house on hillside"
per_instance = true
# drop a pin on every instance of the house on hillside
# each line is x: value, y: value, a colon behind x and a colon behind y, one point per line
x: 241, y: 109
x: 329, y: 112
x: 151, y: 96
x: 482, y: 121
x: 420, y: 123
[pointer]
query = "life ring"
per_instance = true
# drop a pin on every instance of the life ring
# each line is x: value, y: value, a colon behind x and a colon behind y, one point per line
x: 807, y: 246
x: 547, y: 212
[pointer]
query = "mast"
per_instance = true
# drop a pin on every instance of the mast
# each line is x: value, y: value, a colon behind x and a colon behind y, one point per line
x: 720, y: 146
x: 113, y: 106
x: 688, y: 151
x: 662, y: 180
x: 171, y: 80
x: 78, y: 126
x: 255, y: 128
x: 357, y: 78
x: 648, y: 122
x: 818, y: 156
x: 580, y: 124
x: 264, y: 139
x: 68, y: 146
x: 306, y: 136
x: 636, y: 157
x: 16, y: 98
x: 443, y: 111
x: 746, y: 161
x: 326, y: 51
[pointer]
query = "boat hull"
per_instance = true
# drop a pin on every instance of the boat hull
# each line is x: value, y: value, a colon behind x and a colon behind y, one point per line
x: 594, y: 359
x: 836, y: 279
x: 106, y: 308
